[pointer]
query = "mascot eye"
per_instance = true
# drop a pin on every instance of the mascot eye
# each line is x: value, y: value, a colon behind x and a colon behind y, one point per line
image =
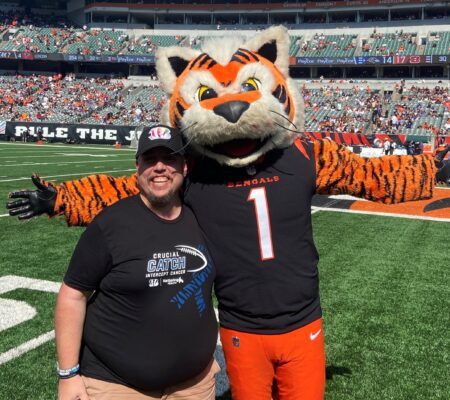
x: 205, y: 93
x: 250, y: 84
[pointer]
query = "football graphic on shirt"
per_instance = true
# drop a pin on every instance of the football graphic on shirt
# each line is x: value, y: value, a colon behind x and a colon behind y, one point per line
x: 195, y: 259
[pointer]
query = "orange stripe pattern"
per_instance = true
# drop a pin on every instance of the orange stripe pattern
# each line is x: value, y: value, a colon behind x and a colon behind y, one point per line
x: 389, y: 179
x: 82, y: 199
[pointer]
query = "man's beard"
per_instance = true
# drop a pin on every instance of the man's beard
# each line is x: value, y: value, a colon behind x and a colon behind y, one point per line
x: 161, y: 201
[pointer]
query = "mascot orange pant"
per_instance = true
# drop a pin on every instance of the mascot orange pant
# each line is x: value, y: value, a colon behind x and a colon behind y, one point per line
x: 288, y: 366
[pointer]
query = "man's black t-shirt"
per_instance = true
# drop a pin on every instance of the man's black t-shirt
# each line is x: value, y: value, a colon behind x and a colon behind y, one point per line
x: 257, y: 221
x: 150, y: 323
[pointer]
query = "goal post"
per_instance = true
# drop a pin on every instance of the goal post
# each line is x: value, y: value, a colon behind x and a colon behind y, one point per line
x: 135, y: 136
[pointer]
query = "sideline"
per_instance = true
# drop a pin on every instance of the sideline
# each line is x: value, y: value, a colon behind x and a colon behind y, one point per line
x: 77, y: 174
x: 32, y: 164
x: 381, y: 214
x: 43, y: 146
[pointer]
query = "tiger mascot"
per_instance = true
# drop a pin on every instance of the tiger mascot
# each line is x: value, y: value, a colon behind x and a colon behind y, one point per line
x: 250, y: 185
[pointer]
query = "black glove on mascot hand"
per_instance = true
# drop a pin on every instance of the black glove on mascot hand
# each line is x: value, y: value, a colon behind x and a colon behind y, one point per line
x: 443, y: 173
x: 33, y: 202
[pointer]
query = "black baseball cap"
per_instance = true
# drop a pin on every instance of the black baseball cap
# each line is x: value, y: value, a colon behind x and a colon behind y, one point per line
x: 160, y: 136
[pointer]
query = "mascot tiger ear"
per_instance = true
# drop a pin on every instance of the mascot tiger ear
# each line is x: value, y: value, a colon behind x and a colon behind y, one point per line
x: 171, y: 62
x: 272, y: 44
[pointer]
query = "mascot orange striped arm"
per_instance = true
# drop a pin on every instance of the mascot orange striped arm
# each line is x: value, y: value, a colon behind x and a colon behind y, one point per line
x: 250, y: 187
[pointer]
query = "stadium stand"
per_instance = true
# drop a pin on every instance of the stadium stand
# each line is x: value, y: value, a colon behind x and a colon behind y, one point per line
x: 329, y: 46
x: 44, y: 40
x: 147, y: 44
x: 398, y: 43
x: 333, y: 109
x: 138, y: 106
x: 54, y: 98
x: 438, y: 43
x: 67, y: 97
x: 14, y: 18
x: 96, y: 41
x: 295, y: 45
x: 419, y: 111
x: 69, y: 40
x: 353, y: 108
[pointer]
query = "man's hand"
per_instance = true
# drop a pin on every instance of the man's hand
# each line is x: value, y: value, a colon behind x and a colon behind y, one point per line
x: 72, y: 389
x: 443, y: 173
x: 33, y: 202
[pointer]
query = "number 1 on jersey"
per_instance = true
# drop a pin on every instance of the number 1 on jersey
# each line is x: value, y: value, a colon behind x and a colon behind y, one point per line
x: 258, y: 195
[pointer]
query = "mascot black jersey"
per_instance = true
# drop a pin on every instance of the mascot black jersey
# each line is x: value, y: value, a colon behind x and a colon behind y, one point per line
x: 258, y: 224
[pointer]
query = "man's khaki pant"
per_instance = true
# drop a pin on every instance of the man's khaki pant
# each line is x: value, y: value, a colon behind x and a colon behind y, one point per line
x: 202, y: 387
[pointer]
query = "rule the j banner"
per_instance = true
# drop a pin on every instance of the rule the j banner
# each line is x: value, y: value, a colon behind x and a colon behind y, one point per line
x: 70, y: 133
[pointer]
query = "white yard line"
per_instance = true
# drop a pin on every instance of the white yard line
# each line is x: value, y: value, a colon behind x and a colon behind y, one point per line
x: 3, y: 215
x: 382, y: 214
x: 26, y: 347
x: 66, y: 146
x: 64, y: 163
x: 9, y: 283
x: 61, y: 156
x: 27, y: 178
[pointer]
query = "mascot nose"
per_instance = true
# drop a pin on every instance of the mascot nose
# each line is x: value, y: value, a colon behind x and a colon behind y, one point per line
x: 231, y: 110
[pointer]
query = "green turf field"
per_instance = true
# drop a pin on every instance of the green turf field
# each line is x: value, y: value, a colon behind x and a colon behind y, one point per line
x: 385, y: 289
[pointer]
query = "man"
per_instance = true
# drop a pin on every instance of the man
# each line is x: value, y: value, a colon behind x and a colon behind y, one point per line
x: 387, y: 147
x: 392, y: 148
x: 134, y: 317
x: 25, y: 135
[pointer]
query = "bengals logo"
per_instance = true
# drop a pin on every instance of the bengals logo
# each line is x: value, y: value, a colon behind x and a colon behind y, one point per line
x: 437, y: 207
x: 158, y: 133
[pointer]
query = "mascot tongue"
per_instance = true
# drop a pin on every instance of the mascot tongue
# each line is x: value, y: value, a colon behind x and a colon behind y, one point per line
x: 237, y: 147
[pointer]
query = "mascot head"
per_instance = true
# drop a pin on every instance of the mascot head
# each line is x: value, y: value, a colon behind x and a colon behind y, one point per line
x: 234, y: 99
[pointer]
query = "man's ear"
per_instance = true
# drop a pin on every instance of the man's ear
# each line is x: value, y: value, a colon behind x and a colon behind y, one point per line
x: 272, y: 44
x: 170, y: 64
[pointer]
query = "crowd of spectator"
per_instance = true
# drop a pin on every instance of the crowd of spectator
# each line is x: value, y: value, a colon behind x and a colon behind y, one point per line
x: 95, y: 41
x: 320, y: 42
x: 398, y: 43
x: 333, y: 109
x: 418, y: 108
x: 35, y: 40
x: 359, y: 109
x: 129, y: 109
x: 51, y: 33
x: 54, y: 98
x: 144, y: 45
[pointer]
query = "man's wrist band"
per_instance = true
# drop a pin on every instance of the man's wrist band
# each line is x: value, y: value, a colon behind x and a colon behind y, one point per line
x: 67, y: 373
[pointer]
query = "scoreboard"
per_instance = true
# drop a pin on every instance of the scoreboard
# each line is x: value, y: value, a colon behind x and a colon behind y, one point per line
x: 374, y: 60
x: 300, y: 61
